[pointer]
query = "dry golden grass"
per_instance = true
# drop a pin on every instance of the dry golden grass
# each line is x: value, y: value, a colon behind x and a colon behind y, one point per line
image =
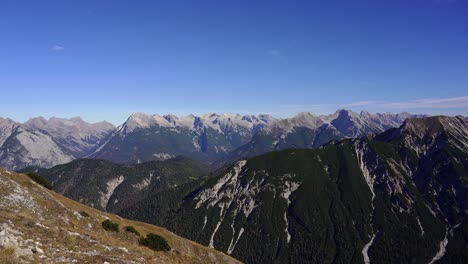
x: 7, y: 256
x: 64, y: 234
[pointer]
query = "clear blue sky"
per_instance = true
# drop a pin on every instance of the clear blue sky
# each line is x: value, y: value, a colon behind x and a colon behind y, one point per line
x: 107, y: 59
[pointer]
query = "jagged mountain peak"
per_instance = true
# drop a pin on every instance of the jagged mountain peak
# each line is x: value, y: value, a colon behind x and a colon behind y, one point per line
x: 38, y: 119
x: 435, y: 123
x: 138, y: 119
x: 303, y: 119
x: 350, y: 115
x: 429, y: 127
x: 307, y: 130
x: 345, y: 112
x: 305, y: 115
x: 6, y: 119
x: 205, y: 137
x: 76, y: 122
x: 453, y: 126
x: 212, y: 120
x: 430, y: 134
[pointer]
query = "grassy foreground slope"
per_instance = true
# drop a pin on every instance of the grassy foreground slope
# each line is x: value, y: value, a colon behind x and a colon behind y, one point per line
x: 41, y: 226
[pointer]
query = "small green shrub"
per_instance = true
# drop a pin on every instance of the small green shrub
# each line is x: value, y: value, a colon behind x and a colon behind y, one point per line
x: 155, y: 242
x: 109, y: 226
x: 84, y: 214
x: 40, y: 180
x: 132, y: 229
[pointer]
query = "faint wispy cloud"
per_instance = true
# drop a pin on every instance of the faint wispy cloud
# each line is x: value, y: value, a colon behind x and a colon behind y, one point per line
x: 273, y: 53
x: 58, y: 47
x: 453, y: 102
x: 426, y: 104
x: 360, y: 103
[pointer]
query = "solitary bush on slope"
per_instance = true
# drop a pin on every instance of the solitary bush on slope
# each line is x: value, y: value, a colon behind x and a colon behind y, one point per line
x: 84, y: 214
x: 155, y: 242
x: 132, y: 229
x: 109, y: 226
x: 40, y: 180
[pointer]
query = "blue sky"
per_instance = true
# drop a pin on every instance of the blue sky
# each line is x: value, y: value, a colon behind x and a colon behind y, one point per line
x: 103, y: 60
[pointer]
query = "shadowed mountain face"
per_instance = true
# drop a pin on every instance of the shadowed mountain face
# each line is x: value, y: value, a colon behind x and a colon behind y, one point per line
x: 401, y: 195
x: 108, y: 186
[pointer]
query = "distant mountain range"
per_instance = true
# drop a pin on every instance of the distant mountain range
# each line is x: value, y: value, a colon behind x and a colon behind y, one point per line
x: 221, y: 139
x: 216, y: 139
x: 152, y: 137
x: 45, y: 143
x: 307, y: 130
x: 393, y: 197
